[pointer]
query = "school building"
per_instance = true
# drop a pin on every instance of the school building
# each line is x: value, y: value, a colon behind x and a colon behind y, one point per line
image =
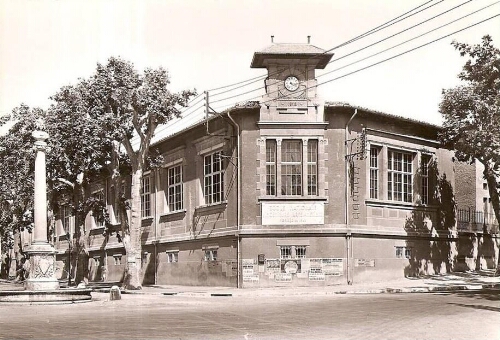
x: 293, y: 190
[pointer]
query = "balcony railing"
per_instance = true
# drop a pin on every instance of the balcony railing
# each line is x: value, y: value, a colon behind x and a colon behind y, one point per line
x: 476, y: 221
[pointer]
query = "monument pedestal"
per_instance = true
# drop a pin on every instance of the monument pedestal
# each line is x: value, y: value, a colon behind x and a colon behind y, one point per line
x: 41, y: 270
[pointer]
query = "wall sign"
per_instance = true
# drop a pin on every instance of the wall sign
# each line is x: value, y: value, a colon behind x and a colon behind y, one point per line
x: 364, y: 263
x: 293, y: 213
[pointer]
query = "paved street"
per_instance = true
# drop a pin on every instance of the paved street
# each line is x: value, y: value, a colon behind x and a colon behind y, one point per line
x: 454, y: 315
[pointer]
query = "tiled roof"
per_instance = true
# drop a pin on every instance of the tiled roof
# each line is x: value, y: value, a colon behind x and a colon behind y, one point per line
x: 344, y: 104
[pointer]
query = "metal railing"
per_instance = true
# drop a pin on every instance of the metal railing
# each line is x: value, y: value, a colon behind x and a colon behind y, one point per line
x: 476, y: 221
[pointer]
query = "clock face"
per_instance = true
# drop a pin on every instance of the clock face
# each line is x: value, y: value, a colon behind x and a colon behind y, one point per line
x: 291, y: 83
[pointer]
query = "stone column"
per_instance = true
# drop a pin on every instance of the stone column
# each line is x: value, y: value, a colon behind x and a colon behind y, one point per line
x: 41, y: 253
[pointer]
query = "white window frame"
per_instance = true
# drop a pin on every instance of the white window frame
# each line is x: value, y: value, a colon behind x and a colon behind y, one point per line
x: 213, y: 168
x: 291, y: 180
x: 99, y: 194
x: 66, y: 218
x: 285, y: 252
x: 400, y: 175
x: 312, y: 167
x: 300, y: 252
x: 172, y: 256
x: 403, y: 252
x: 288, y: 177
x: 374, y: 172
x: 146, y: 196
x: 117, y: 259
x: 425, y: 185
x: 210, y: 255
x: 175, y: 192
x: 271, y: 174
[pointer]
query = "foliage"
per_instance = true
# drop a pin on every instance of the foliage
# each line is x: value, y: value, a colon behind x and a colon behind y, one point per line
x: 129, y: 106
x: 100, y: 127
x: 471, y: 113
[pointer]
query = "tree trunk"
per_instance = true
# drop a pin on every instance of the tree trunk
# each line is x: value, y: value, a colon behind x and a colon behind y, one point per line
x: 132, y: 236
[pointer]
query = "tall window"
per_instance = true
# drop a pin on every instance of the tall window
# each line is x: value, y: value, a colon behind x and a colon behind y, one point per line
x: 116, y: 202
x: 312, y: 167
x: 145, y: 197
x: 374, y: 172
x: 400, y: 176
x: 270, y: 167
x: 213, y: 188
x: 66, y: 218
x: 291, y: 167
x: 175, y: 188
x: 426, y: 159
x: 100, y: 197
x: 296, y: 173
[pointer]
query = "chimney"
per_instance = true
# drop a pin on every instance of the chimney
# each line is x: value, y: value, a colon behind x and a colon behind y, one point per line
x: 272, y: 38
x: 308, y: 39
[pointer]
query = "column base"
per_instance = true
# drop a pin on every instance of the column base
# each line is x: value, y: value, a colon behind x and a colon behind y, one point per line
x: 41, y: 267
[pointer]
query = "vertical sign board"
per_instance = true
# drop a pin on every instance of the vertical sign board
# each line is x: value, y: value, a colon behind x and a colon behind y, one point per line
x: 293, y: 213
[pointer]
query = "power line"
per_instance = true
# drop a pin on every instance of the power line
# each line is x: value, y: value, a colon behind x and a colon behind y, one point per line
x: 329, y: 72
x: 398, y: 33
x: 408, y: 51
x: 406, y: 41
x: 367, y: 33
x: 387, y: 24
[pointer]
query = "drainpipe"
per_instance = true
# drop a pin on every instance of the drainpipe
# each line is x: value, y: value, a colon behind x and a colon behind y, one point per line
x: 346, y: 186
x: 238, y: 200
x: 157, y: 225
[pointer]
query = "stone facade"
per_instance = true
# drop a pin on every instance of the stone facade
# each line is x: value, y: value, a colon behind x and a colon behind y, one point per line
x: 307, y: 193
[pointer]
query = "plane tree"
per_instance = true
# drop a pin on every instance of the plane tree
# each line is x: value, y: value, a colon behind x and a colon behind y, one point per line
x: 129, y: 106
x: 471, y: 114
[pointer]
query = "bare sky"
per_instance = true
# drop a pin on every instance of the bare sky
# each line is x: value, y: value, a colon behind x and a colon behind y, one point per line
x: 206, y: 44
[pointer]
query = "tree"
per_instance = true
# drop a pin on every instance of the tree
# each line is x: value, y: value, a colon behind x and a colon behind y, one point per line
x: 471, y: 113
x: 76, y: 155
x: 17, y: 177
x: 79, y: 155
x: 130, y: 106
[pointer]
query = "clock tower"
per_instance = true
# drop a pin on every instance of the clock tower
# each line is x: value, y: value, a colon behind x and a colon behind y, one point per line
x: 291, y: 86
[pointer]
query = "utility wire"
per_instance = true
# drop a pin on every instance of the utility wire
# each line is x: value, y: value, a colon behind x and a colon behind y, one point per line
x: 406, y: 41
x: 367, y: 33
x: 408, y: 51
x: 387, y: 24
x: 291, y: 93
x: 398, y: 33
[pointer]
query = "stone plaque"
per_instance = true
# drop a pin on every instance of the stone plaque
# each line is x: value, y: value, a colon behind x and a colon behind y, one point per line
x: 292, y: 103
x: 293, y: 213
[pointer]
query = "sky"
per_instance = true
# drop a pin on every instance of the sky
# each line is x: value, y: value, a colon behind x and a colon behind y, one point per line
x: 205, y: 44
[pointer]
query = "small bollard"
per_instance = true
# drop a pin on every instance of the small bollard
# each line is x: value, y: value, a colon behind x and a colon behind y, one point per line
x: 115, y: 293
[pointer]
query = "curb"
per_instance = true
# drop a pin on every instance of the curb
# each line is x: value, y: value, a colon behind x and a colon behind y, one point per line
x: 264, y: 293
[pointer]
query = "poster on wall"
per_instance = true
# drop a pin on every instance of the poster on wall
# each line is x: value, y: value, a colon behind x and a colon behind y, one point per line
x: 290, y: 266
x: 364, y: 263
x: 248, y: 270
x: 282, y: 277
x: 333, y: 267
x: 272, y: 266
x: 316, y: 274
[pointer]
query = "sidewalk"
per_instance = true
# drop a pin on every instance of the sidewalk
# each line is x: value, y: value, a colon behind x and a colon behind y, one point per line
x: 433, y: 283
